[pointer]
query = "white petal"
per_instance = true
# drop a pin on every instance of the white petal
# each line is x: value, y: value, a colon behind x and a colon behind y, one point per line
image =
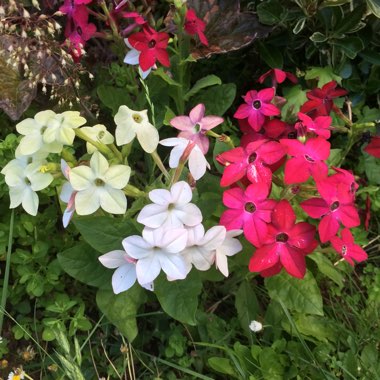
x: 66, y: 136
x: 124, y: 134
x: 132, y: 57
x: 43, y: 117
x: 174, y: 266
x: 50, y: 135
x: 67, y: 216
x: 197, y: 163
x: 214, y: 237
x: 16, y: 196
x: 153, y: 215
x: 81, y: 178
x: 144, y: 74
x: 30, y: 201
x: 200, y: 257
x: 112, y: 200
x: 160, y: 196
x: 189, y: 214
x: 117, y: 176
x: 147, y: 269
x: 40, y: 181
x: 221, y: 263
x: 66, y: 192
x: 148, y: 137
x: 99, y: 164
x: 174, y: 240
x: 87, y: 201
x: 28, y: 126
x: 30, y: 144
x: 137, y: 247
x: 124, y: 278
x: 181, y: 193
x: 195, y: 234
x: 175, y: 156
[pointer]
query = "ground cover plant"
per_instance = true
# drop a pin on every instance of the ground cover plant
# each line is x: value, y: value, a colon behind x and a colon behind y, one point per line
x: 189, y: 189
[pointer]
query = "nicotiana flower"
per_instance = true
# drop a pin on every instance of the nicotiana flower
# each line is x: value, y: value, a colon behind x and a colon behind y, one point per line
x: 195, y: 126
x: 286, y: 244
x: 278, y: 76
x: 100, y: 185
x: 258, y: 106
x: 133, y: 57
x: 346, y: 247
x: 130, y: 124
x: 230, y: 246
x: 158, y: 249
x: 171, y: 209
x: 23, y: 182
x: 320, y: 125
x: 194, y: 25
x: 97, y: 133
x: 197, y: 161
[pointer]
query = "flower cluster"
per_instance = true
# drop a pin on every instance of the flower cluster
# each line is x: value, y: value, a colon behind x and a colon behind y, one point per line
x: 173, y: 240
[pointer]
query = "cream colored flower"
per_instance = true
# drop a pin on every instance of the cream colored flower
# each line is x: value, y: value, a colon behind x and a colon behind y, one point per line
x: 97, y: 133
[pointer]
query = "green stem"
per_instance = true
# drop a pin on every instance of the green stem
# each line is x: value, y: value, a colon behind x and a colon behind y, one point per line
x: 7, y: 270
x: 116, y: 152
x: 224, y: 138
x: 132, y: 191
x: 98, y: 145
x: 350, y: 144
x: 159, y: 163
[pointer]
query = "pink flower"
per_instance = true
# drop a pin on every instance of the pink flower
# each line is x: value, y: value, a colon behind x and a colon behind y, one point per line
x: 249, y: 135
x: 250, y: 161
x: 347, y: 248
x: 286, y: 244
x: 320, y: 125
x: 194, y: 25
x: 137, y: 21
x: 373, y: 148
x: 152, y: 45
x: 195, y: 126
x: 249, y: 210
x: 258, y: 105
x: 346, y: 180
x: 335, y: 205
x: 307, y: 159
x: 278, y: 76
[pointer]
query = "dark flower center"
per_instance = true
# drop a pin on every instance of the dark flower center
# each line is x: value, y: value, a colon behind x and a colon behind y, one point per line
x: 152, y: 43
x: 256, y: 104
x: 250, y: 207
x: 101, y: 135
x: 334, y: 206
x: 137, y: 118
x: 295, y: 189
x: 79, y: 30
x: 99, y: 182
x: 252, y: 157
x: 308, y: 158
x: 344, y: 250
x: 282, y: 237
x: 292, y: 135
x: 171, y: 206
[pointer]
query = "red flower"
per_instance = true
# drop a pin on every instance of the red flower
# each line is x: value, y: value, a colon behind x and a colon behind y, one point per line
x: 278, y: 76
x: 320, y: 100
x: 320, y: 126
x: 152, y: 45
x: 258, y: 105
x: 286, y: 244
x: 194, y: 25
x: 347, y: 248
x: 373, y: 148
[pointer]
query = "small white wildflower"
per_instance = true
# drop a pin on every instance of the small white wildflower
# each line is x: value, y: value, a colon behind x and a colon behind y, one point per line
x: 255, y: 326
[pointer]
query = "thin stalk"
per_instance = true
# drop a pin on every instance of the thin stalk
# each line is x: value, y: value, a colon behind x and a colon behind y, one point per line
x: 7, y: 270
x: 160, y: 165
x: 98, y: 145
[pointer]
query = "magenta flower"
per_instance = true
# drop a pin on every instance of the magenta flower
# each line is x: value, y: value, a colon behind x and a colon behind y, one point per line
x: 249, y: 210
x: 278, y: 76
x: 373, y: 148
x: 258, y: 105
x: 347, y: 248
x: 346, y: 180
x: 307, y: 159
x: 194, y: 25
x: 335, y: 205
x: 152, y: 45
x: 286, y: 244
x: 195, y: 126
x: 250, y: 161
x: 320, y: 125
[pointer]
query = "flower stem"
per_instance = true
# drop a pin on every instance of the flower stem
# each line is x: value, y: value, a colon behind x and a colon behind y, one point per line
x: 159, y: 163
x: 98, y: 145
x: 223, y: 138
x: 7, y: 270
x: 134, y: 192
x: 116, y: 152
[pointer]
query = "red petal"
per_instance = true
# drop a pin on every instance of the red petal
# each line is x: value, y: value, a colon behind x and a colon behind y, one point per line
x: 283, y: 216
x: 328, y: 227
x: 293, y: 261
x: 315, y: 207
x: 264, y: 258
x: 373, y: 148
x: 146, y: 59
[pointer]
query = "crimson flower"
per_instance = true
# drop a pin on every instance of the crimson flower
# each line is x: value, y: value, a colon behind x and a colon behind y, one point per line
x: 335, y: 205
x: 258, y: 105
x: 249, y: 135
x: 250, y: 161
x: 346, y: 180
x: 307, y: 159
x: 373, y: 148
x: 320, y: 100
x: 194, y: 25
x: 152, y: 45
x: 250, y: 210
x: 320, y: 125
x: 138, y: 20
x: 286, y: 244
x: 347, y: 248
x: 278, y: 76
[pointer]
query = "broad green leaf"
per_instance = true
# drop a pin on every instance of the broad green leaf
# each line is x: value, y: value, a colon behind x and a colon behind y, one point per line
x: 318, y: 37
x: 209, y: 80
x: 370, y: 56
x: 374, y: 6
x: 113, y: 97
x: 217, y: 99
x: 104, y: 233
x: 369, y: 355
x: 222, y: 365
x: 327, y: 268
x: 298, y: 295
x: 219, y: 147
x: 247, y: 307
x: 169, y: 114
x: 179, y: 298
x: 334, y: 158
x: 350, y: 363
x: 295, y: 97
x: 372, y: 168
x: 163, y: 75
x: 121, y: 309
x: 351, y: 22
x: 323, y: 74
x: 270, y: 12
x: 271, y: 55
x: 351, y: 46
x: 81, y: 262
x: 270, y: 364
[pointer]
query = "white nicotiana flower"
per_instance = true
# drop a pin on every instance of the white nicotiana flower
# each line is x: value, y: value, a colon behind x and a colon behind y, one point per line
x: 255, y: 326
x: 100, y: 185
x: 97, y: 133
x: 201, y: 246
x: 197, y: 161
x: 130, y: 124
x: 171, y: 209
x: 23, y: 181
x: 158, y: 249
x: 229, y: 247
x: 132, y: 58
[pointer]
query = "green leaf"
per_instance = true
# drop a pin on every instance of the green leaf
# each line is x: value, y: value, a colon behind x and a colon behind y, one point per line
x: 270, y: 364
x: 372, y: 168
x: 374, y: 6
x: 350, y: 46
x: 270, y: 12
x: 219, y: 148
x: 271, y: 55
x: 217, y: 99
x: 327, y: 268
x: 81, y: 262
x: 370, y: 56
x: 222, y: 365
x: 169, y: 114
x: 302, y: 296
x: 121, y: 309
x: 209, y: 80
x: 299, y: 25
x: 334, y: 158
x: 333, y: 3
x: 163, y: 75
x: 104, y: 233
x: 351, y: 22
x: 113, y: 97
x: 179, y: 298
x: 318, y: 37
x: 295, y: 97
x: 323, y: 74
x: 247, y: 307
